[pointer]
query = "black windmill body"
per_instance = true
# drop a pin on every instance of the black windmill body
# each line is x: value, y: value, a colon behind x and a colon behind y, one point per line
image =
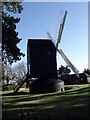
x: 41, y: 58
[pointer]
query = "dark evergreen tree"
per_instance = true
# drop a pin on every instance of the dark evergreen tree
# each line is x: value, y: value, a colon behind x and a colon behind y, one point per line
x: 10, y: 51
x: 64, y: 70
x: 87, y: 71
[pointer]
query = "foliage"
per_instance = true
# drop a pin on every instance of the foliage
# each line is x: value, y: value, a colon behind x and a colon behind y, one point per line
x: 11, y: 52
x: 8, y: 88
x: 64, y: 70
x: 87, y: 71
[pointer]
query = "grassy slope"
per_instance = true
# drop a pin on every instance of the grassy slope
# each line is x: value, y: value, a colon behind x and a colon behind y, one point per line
x: 71, y: 103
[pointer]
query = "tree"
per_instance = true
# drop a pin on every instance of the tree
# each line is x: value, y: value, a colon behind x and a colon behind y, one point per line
x: 15, y: 73
x: 87, y: 71
x: 19, y: 71
x: 6, y: 74
x: 11, y: 53
x: 3, y: 74
x: 64, y: 70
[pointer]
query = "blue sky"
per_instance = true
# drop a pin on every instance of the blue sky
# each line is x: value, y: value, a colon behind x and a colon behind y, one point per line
x: 38, y: 18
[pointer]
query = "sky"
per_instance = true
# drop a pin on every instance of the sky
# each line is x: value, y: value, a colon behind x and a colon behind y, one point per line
x: 37, y: 18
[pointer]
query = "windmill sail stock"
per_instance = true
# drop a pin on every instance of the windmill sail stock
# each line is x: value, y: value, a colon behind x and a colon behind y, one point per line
x: 61, y: 29
x: 68, y: 62
x: 60, y: 51
x: 57, y: 45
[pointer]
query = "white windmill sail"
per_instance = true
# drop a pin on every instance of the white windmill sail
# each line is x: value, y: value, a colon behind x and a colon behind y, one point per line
x: 75, y: 70
x: 60, y: 51
x: 68, y: 62
x: 61, y: 30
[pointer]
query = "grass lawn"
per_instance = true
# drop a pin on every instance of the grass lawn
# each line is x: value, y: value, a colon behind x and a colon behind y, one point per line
x: 73, y: 103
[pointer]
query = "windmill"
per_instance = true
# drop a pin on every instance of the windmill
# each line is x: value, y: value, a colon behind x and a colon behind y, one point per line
x: 42, y: 63
x: 74, y: 69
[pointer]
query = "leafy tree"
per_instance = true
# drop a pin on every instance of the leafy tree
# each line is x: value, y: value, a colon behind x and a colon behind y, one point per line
x: 11, y: 53
x: 64, y: 70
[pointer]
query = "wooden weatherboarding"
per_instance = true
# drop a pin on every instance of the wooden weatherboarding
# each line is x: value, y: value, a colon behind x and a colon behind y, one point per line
x: 42, y: 64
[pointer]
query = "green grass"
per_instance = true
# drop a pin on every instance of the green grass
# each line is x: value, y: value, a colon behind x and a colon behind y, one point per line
x: 74, y: 102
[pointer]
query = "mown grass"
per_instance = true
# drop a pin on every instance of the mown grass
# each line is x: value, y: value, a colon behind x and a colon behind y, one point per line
x: 73, y: 103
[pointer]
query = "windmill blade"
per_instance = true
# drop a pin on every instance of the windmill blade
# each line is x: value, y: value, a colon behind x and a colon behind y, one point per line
x: 49, y: 36
x: 68, y: 62
x: 61, y: 30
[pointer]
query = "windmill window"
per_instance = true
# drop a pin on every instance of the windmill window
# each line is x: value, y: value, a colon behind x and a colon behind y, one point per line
x: 49, y: 52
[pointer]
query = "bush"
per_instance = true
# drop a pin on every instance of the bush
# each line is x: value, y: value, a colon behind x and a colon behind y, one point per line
x: 8, y: 88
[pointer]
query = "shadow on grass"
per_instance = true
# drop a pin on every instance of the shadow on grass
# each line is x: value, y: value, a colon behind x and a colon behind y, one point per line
x: 67, y: 90
x: 49, y: 114
x: 52, y: 96
x: 12, y: 93
x: 45, y: 101
x: 65, y: 105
